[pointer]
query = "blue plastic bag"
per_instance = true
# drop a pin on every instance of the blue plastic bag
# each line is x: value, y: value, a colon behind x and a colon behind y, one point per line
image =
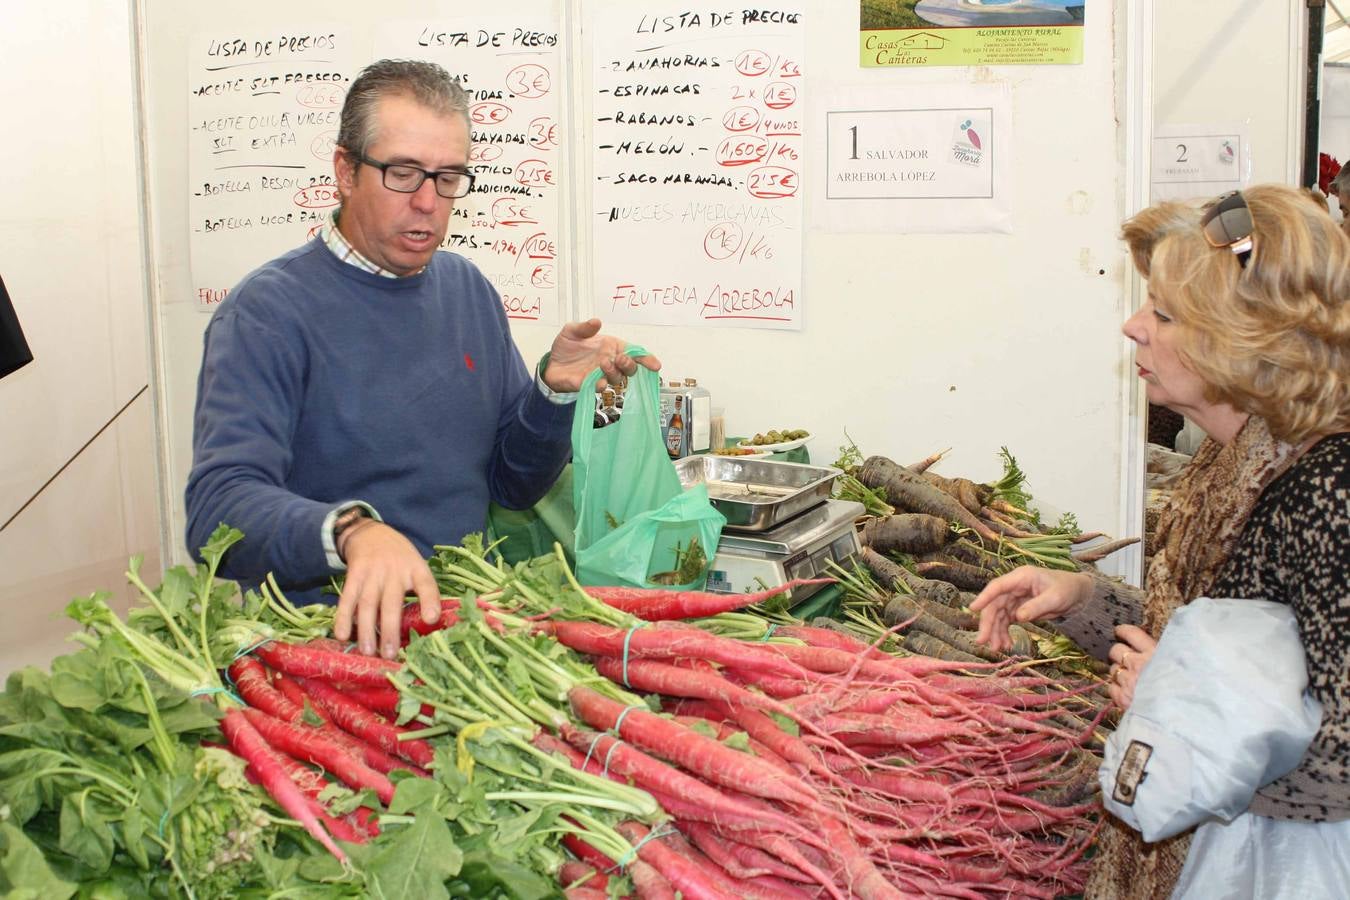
x: 635, y: 524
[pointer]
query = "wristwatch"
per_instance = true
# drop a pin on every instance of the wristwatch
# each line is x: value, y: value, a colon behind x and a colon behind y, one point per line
x: 345, y: 520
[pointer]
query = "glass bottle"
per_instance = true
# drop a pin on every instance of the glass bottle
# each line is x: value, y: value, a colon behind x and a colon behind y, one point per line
x: 601, y: 420
x: 675, y: 431
x: 608, y: 405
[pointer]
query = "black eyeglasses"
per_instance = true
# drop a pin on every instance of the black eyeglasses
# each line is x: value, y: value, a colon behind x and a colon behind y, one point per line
x: 451, y: 184
x: 1227, y: 223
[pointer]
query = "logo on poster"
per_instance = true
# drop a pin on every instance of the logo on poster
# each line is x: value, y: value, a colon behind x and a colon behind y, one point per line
x: 1226, y: 152
x: 967, y: 148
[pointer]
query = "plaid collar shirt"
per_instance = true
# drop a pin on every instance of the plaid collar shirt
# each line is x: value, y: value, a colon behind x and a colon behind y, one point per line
x: 342, y: 248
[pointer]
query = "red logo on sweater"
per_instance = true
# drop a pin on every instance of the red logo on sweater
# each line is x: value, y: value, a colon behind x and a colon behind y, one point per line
x: 468, y: 362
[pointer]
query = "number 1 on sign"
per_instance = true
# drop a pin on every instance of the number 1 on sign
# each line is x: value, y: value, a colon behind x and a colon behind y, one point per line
x: 854, y: 130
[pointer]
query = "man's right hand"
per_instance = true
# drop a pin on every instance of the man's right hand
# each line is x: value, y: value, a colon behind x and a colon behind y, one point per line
x: 383, y: 567
x: 1024, y: 595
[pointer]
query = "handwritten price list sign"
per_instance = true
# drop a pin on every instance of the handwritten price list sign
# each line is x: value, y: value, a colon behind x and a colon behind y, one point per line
x: 508, y: 226
x: 263, y: 112
x: 698, y: 133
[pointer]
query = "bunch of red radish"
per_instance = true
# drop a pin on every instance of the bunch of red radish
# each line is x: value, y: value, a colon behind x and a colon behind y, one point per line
x: 823, y: 767
x: 318, y: 704
x: 350, y: 695
x: 903, y: 778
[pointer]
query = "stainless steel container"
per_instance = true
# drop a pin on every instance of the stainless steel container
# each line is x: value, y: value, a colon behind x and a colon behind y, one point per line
x: 757, y: 494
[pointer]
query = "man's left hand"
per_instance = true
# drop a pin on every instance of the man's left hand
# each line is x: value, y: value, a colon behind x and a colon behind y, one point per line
x: 580, y: 348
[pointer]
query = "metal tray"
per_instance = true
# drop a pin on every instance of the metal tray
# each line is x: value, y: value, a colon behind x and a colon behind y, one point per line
x: 757, y: 494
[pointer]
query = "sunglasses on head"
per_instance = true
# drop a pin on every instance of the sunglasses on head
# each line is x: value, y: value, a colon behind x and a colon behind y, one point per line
x: 1227, y: 223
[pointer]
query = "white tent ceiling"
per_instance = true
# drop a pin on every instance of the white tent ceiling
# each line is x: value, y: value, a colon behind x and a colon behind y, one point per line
x: 1336, y: 34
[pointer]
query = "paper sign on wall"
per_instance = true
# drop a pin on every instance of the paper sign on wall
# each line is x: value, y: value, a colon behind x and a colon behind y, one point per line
x: 263, y: 109
x: 698, y: 127
x: 1191, y: 162
x: 508, y: 226
x: 264, y: 114
x: 929, y: 159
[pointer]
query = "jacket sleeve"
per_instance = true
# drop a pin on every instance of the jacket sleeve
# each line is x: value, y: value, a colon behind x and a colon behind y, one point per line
x: 1113, y: 603
x: 1220, y: 710
x: 248, y: 396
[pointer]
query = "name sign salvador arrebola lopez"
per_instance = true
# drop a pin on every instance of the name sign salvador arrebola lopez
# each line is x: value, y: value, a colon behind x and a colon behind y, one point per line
x: 940, y: 151
x: 898, y: 153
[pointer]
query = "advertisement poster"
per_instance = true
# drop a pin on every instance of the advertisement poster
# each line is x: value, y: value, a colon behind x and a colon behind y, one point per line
x: 908, y: 33
x: 929, y: 159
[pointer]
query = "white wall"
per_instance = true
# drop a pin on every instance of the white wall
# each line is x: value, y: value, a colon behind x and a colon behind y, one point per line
x: 1224, y: 62
x: 70, y: 254
x: 911, y: 342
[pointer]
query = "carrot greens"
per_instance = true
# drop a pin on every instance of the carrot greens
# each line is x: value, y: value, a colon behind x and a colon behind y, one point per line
x: 848, y: 487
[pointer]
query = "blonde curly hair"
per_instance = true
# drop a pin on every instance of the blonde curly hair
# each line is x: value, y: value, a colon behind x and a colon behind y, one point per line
x: 1272, y: 339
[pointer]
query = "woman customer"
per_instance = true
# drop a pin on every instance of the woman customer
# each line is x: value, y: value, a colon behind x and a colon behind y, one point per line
x: 1246, y: 331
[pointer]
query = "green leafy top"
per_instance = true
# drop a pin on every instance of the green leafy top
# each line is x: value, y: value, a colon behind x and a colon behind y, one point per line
x: 1011, y: 488
x: 850, y: 457
x: 1067, y: 524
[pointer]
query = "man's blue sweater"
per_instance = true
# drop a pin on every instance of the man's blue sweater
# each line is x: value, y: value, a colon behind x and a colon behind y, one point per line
x: 322, y: 383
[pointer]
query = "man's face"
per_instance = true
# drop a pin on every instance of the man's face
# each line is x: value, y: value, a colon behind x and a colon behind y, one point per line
x: 400, y: 232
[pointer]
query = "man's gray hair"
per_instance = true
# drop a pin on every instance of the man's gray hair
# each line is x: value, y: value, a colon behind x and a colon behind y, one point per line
x: 425, y: 82
x: 1340, y: 185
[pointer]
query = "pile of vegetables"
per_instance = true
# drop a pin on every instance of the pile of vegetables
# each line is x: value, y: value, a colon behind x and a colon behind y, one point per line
x: 932, y: 543
x: 206, y: 747
x: 539, y: 738
x: 796, y: 760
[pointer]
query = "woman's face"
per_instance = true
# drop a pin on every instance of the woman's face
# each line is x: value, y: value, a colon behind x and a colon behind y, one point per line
x: 1168, y: 382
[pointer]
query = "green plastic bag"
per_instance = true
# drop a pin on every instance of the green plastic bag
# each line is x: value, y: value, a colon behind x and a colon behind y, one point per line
x: 635, y: 524
x: 529, y: 533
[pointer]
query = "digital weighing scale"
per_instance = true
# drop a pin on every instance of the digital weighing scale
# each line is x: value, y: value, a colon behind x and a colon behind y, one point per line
x: 797, y: 548
x: 781, y: 523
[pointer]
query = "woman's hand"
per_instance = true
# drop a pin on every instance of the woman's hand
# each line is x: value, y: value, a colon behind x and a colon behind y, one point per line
x: 1024, y: 595
x: 1128, y: 658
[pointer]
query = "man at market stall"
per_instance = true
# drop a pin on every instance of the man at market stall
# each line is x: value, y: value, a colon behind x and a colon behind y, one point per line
x: 360, y: 397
